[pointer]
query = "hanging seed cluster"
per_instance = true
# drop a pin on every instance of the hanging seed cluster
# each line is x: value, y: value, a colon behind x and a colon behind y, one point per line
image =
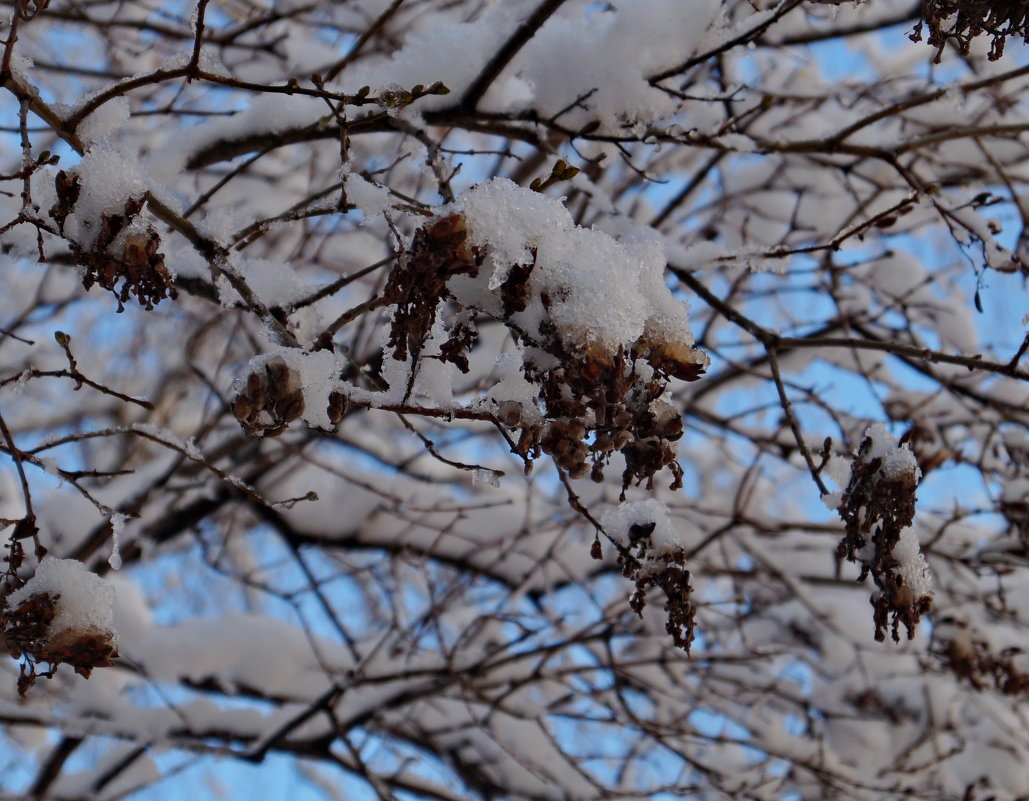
x: 964, y: 20
x: 876, y: 507
x: 27, y: 629
x: 594, y: 404
x: 24, y: 629
x: 417, y: 284
x: 647, y: 568
x: 597, y: 405
x: 124, y: 257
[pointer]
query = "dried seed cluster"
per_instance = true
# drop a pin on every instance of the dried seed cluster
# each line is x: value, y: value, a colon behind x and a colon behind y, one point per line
x: 877, y: 505
x: 963, y: 20
x: 971, y: 660
x: 417, y: 283
x: 271, y: 395
x: 28, y: 631
x: 647, y: 568
x: 124, y: 257
x: 593, y: 403
x: 30, y: 635
x: 268, y: 399
x: 598, y: 405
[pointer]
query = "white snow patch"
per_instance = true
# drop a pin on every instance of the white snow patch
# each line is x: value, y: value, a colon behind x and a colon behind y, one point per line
x: 596, y: 290
x: 369, y: 197
x: 106, y: 119
x: 912, y: 568
x: 665, y: 538
x: 897, y: 460
x: 86, y: 600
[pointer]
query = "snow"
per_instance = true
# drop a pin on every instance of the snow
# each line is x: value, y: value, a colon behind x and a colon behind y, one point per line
x: 577, y: 272
x: 451, y: 51
x: 913, y: 569
x: 606, y: 57
x: 664, y: 539
x: 109, y: 176
x: 369, y: 197
x: 117, y: 526
x: 264, y: 114
x: 276, y: 284
x: 104, y: 120
x: 898, y: 461
x: 513, y: 392
x: 511, y: 221
x: 86, y: 600
x: 484, y: 477
x: 1016, y: 491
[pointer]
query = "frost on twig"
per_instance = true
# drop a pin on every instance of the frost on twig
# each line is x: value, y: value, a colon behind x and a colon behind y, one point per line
x: 877, y: 508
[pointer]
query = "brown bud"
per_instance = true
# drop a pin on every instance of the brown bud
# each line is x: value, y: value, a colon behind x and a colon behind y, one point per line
x: 576, y: 429
x: 621, y: 419
x: 685, y: 362
x: 525, y: 441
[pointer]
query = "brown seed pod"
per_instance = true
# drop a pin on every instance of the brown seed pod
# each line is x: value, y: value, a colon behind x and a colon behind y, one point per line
x: 257, y: 389
x: 83, y: 649
x: 242, y: 408
x: 290, y: 407
x: 578, y: 471
x: 337, y: 408
x: 621, y: 439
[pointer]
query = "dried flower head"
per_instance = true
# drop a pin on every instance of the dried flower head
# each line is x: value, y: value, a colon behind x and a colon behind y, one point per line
x: 63, y: 614
x: 418, y: 282
x: 651, y: 555
x: 877, y: 508
x: 124, y: 256
x: 594, y: 380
